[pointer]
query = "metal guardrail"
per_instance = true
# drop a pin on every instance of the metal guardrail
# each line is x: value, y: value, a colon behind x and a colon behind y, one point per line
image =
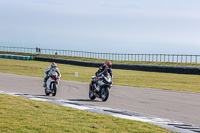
x: 177, y: 58
x: 149, y: 68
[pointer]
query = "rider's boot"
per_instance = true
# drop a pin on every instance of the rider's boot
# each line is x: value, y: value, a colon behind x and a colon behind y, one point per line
x: 45, y: 81
x: 48, y: 90
x: 44, y: 84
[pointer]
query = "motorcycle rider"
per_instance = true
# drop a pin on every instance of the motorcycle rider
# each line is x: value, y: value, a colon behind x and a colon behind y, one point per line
x: 50, y: 71
x: 105, y: 67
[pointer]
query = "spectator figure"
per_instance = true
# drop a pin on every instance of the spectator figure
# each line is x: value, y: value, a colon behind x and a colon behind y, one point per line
x: 56, y: 53
x: 36, y: 49
x: 39, y: 50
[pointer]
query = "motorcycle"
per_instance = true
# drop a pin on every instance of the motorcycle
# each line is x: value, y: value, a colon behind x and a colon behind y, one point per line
x: 100, y: 88
x: 54, y: 83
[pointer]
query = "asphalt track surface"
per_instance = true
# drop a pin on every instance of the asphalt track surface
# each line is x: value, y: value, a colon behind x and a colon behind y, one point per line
x: 166, y: 104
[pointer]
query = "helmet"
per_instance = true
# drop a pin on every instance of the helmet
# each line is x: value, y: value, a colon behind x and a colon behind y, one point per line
x: 108, y: 64
x: 53, y: 65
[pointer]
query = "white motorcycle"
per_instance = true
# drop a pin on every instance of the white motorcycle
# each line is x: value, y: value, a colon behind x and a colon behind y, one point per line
x: 54, y: 83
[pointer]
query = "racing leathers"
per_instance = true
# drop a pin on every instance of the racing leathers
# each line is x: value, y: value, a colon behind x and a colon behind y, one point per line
x: 101, y: 70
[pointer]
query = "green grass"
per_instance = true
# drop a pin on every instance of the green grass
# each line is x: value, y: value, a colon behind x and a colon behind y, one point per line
x: 18, y: 114
x: 103, y: 60
x: 178, y: 82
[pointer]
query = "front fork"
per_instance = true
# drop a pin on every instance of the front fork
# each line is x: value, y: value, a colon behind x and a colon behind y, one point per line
x: 91, y: 86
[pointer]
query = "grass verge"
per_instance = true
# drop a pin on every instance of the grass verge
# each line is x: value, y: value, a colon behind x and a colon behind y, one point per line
x: 18, y: 114
x: 178, y: 82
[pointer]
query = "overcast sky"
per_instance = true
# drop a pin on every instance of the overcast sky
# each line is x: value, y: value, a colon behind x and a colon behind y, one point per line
x: 116, y: 26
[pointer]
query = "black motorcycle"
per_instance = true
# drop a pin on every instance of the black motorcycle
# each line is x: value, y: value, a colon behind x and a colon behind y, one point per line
x: 100, y: 88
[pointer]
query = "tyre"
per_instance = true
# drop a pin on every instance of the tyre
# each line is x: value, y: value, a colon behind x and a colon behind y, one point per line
x: 91, y: 94
x: 104, y: 94
x: 54, y: 90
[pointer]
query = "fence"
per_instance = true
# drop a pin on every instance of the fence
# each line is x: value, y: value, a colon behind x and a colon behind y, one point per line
x: 109, y: 56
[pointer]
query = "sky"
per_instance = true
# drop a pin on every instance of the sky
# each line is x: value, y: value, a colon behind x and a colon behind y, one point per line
x: 111, y: 26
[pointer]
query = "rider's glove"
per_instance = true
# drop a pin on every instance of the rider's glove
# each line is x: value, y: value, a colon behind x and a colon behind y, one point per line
x: 97, y: 77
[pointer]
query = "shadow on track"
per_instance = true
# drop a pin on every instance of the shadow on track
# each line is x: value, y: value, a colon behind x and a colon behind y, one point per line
x: 83, y: 100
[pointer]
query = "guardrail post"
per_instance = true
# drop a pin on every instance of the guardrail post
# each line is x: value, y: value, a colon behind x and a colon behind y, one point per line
x: 160, y: 57
x: 181, y: 58
x: 186, y: 58
x: 156, y: 57
x: 177, y: 59
x: 196, y: 59
x: 117, y: 56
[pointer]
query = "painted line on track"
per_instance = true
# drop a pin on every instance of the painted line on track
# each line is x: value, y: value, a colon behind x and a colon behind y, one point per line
x: 170, y: 125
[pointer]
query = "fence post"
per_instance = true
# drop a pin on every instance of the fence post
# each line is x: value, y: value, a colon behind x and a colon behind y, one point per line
x: 135, y: 57
x: 131, y: 57
x: 160, y: 57
x: 156, y: 57
x: 112, y: 55
x: 181, y: 58
x: 196, y: 59
x: 186, y: 58
x: 177, y: 58
x: 168, y: 58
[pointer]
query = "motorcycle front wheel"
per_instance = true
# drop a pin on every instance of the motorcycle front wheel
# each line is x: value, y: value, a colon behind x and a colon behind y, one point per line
x: 104, y: 94
x: 54, y: 90
x: 91, y: 94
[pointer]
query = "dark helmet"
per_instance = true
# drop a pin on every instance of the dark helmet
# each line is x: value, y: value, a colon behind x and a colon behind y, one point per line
x: 108, y: 64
